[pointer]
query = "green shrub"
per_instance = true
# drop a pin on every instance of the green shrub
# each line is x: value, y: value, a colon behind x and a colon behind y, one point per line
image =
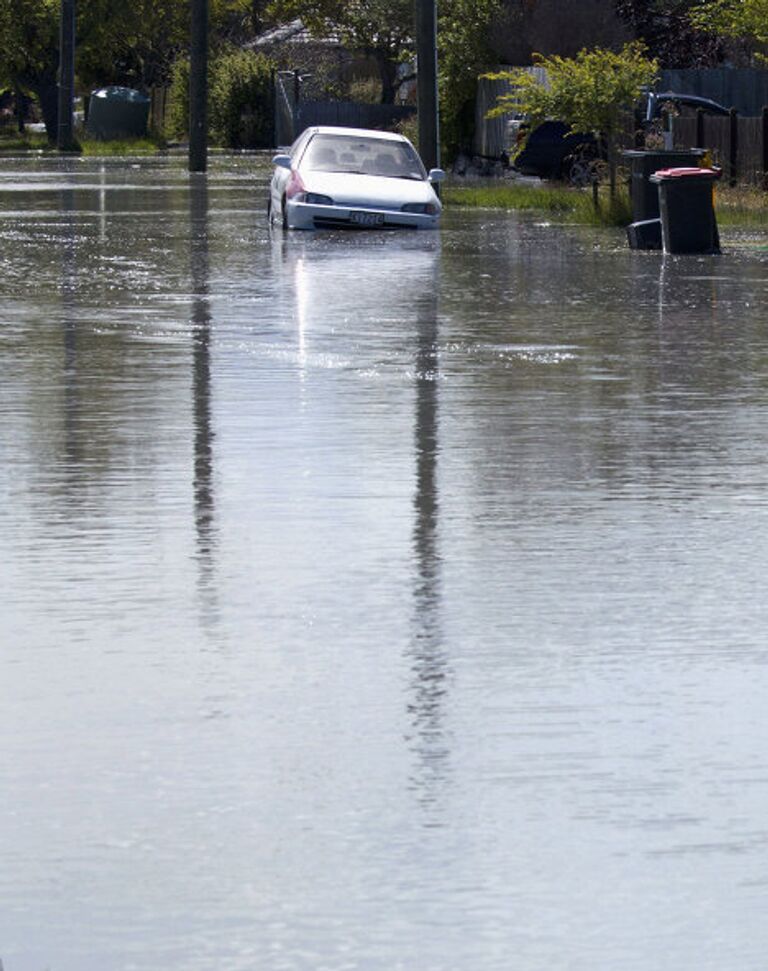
x: 240, y: 100
x: 177, y: 111
x: 241, y: 109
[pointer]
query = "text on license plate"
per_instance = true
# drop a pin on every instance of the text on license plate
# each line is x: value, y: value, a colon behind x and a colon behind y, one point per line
x: 367, y: 218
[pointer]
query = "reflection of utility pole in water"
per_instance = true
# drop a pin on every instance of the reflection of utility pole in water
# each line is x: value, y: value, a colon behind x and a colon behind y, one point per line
x: 72, y: 440
x: 428, y: 660
x: 201, y: 382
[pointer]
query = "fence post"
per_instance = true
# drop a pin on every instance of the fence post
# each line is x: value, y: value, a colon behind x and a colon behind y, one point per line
x: 639, y: 132
x: 764, y: 146
x: 733, y: 146
x: 699, y: 129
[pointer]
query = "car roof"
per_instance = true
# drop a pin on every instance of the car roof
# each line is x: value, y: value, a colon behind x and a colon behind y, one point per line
x: 356, y: 132
x: 657, y: 98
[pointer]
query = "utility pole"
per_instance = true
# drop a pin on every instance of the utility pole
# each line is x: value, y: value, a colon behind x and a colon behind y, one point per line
x: 426, y: 82
x: 198, y: 88
x: 65, y: 138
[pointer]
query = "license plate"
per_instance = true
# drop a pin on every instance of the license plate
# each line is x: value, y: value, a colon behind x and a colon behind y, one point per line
x: 367, y: 218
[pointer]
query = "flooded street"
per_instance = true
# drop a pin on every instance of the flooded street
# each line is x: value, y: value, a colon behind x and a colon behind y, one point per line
x: 375, y: 602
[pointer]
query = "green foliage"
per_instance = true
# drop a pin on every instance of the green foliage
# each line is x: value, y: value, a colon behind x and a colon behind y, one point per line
x: 29, y: 50
x: 666, y: 28
x: 122, y: 147
x: 590, y: 92
x: 28, y: 36
x: 364, y: 90
x: 177, y: 109
x: 380, y: 29
x: 12, y: 141
x: 240, y: 102
x: 464, y: 53
x: 745, y: 20
x: 383, y: 30
x: 132, y: 43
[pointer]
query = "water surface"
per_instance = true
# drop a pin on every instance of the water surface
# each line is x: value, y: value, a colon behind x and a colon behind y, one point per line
x: 375, y: 602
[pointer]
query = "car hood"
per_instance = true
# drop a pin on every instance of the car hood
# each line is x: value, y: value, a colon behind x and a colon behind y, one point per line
x: 349, y: 189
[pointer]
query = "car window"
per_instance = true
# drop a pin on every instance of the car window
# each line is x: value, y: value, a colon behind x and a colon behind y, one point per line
x: 368, y: 156
x: 298, y: 145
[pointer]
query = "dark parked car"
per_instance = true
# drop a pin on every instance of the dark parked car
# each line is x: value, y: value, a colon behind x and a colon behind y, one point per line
x: 657, y: 100
x: 553, y: 151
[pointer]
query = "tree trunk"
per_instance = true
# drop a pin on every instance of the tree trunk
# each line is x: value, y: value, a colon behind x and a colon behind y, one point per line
x: 48, y: 96
x: 46, y: 90
x: 610, y: 145
x: 388, y: 78
x: 20, y: 101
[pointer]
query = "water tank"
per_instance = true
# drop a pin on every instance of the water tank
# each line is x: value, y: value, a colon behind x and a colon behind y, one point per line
x: 116, y: 112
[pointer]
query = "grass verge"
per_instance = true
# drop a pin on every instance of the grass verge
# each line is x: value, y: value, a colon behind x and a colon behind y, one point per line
x: 563, y: 203
x: 122, y: 146
x: 743, y: 207
x: 13, y: 142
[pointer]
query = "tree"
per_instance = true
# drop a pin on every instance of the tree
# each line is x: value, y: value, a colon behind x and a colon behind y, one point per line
x: 124, y: 43
x: 741, y: 20
x: 383, y: 30
x: 29, y: 52
x: 463, y: 53
x: 380, y: 29
x: 590, y: 92
x: 665, y: 27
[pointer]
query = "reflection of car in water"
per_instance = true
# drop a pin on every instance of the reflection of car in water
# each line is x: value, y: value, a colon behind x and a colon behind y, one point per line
x: 337, y: 283
x: 553, y: 151
x: 353, y: 178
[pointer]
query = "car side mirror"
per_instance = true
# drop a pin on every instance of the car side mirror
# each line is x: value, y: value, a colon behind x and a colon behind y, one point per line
x: 282, y: 161
x: 436, y: 175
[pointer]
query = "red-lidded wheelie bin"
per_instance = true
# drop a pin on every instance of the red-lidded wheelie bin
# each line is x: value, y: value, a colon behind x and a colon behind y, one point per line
x: 686, y: 206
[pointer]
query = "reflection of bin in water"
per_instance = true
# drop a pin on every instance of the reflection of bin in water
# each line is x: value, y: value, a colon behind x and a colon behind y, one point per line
x: 116, y: 112
x: 686, y: 202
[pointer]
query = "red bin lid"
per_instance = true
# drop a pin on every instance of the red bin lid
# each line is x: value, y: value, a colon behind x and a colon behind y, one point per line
x: 685, y: 173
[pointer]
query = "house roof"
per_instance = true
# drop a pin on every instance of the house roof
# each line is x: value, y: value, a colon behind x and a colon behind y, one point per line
x: 293, y: 33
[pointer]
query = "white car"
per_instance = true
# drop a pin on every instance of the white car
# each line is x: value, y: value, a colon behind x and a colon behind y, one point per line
x: 353, y: 178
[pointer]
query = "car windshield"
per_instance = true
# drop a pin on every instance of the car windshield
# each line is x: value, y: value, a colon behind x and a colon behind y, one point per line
x: 368, y: 156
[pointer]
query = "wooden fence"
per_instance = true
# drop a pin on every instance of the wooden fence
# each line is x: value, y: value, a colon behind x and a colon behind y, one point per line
x: 743, y: 88
x: 293, y: 115
x: 738, y: 144
x: 351, y: 114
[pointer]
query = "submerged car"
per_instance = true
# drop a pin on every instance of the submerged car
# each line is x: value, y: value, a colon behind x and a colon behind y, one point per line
x: 353, y: 178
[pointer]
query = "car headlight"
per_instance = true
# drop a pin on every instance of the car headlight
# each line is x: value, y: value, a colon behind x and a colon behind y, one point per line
x: 423, y: 208
x: 315, y: 199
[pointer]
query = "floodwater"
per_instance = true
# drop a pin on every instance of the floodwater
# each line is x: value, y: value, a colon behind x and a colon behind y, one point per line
x: 375, y: 602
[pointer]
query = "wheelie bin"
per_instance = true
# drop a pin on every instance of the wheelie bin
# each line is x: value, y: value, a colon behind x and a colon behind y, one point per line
x: 686, y: 204
x: 645, y: 229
